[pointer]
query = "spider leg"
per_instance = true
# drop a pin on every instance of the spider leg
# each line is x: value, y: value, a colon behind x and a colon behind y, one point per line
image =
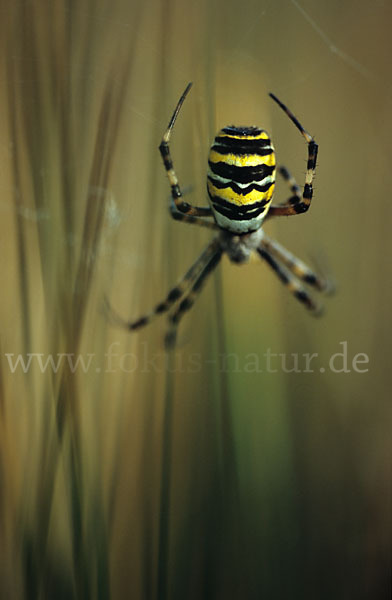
x: 189, y: 300
x: 298, y: 203
x: 178, y: 216
x: 292, y: 283
x: 181, y: 205
x: 172, y: 297
x: 294, y: 264
x: 291, y: 182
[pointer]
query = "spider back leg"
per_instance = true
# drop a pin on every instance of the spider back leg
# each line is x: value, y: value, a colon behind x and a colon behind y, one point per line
x: 181, y: 205
x: 298, y: 204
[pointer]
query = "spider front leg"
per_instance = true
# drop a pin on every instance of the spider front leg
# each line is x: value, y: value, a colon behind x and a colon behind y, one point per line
x: 181, y: 205
x: 189, y: 299
x: 298, y: 203
x: 175, y: 294
x: 295, y: 265
x: 292, y: 282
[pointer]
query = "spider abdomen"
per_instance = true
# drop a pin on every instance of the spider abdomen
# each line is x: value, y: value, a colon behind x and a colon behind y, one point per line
x: 241, y: 178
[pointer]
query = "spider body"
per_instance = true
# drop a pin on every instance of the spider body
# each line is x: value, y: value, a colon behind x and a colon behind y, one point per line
x: 239, y: 248
x: 240, y: 184
x: 241, y: 178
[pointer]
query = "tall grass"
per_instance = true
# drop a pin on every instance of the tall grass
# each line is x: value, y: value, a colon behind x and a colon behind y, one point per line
x: 63, y: 133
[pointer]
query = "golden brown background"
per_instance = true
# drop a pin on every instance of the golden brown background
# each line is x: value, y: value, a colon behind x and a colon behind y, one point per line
x: 193, y: 475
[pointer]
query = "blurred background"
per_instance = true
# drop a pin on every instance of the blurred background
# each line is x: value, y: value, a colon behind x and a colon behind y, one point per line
x: 230, y: 467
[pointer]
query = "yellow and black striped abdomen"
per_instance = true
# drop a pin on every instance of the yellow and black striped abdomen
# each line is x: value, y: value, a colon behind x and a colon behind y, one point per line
x: 241, y: 178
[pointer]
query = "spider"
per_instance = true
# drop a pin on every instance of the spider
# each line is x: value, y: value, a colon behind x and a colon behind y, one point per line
x: 240, y: 185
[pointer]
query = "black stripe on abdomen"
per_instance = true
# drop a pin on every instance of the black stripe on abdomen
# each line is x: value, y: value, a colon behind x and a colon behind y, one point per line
x: 238, y: 213
x: 241, y: 174
x: 228, y: 145
x: 239, y: 190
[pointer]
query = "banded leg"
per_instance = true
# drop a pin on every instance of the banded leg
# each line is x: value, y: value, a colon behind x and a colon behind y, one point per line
x: 291, y: 282
x: 294, y: 264
x: 172, y: 297
x: 181, y: 205
x: 191, y: 296
x: 293, y: 185
x: 178, y: 216
x: 298, y: 203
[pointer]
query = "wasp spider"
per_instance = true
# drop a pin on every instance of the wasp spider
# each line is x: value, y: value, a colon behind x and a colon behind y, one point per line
x: 240, y: 184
